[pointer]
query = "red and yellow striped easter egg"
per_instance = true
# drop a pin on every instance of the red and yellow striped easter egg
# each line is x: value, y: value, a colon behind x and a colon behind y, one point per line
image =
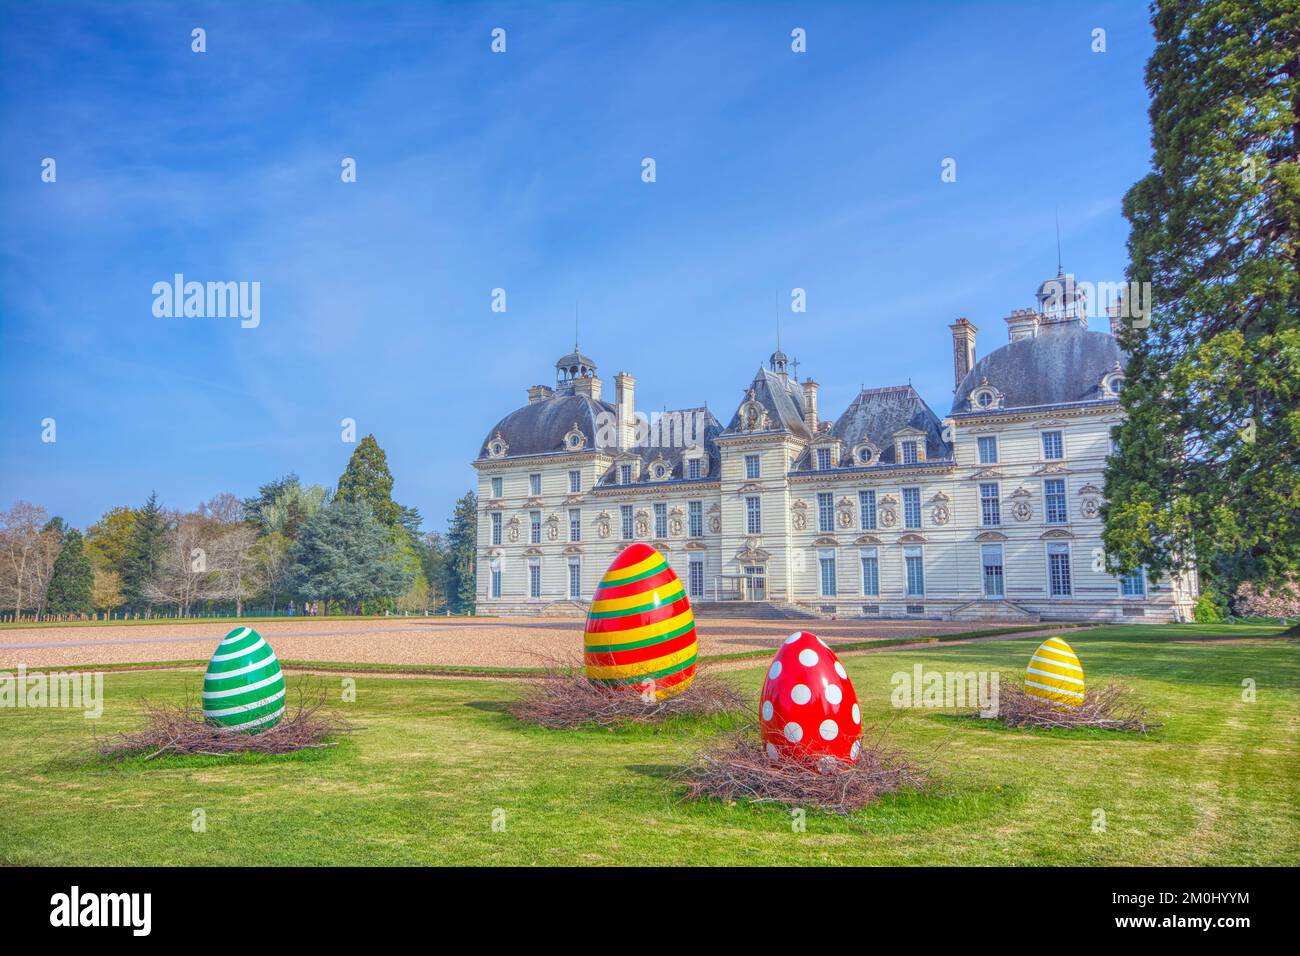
x: 640, y: 632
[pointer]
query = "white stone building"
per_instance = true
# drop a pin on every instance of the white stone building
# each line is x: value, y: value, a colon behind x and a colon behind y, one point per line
x: 886, y: 511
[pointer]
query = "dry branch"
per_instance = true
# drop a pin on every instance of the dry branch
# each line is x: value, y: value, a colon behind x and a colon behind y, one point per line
x: 564, y: 699
x: 740, y: 769
x: 180, y: 729
x: 1112, y: 707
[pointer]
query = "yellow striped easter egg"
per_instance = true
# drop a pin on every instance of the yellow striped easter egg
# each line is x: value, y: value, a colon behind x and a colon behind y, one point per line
x: 1054, y: 674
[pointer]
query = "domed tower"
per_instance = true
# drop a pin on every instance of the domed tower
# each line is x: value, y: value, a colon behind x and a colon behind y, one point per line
x: 778, y: 362
x: 575, y: 374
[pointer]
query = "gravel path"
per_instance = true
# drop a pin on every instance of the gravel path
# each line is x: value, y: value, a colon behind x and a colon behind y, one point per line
x: 459, y: 642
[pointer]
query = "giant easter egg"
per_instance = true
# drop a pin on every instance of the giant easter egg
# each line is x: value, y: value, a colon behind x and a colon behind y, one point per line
x: 808, y: 710
x: 243, y: 689
x: 1054, y: 674
x: 640, y: 631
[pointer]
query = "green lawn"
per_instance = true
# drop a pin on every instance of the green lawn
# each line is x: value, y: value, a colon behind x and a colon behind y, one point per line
x: 1219, y: 784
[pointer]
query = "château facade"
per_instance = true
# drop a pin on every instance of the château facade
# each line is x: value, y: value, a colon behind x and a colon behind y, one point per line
x: 993, y: 513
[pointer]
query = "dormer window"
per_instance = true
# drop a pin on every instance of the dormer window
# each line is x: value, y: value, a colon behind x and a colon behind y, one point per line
x: 659, y: 471
x: 909, y: 452
x: 625, y: 474
x: 984, y: 397
x: 865, y: 454
x: 823, y: 459
x: 693, y: 469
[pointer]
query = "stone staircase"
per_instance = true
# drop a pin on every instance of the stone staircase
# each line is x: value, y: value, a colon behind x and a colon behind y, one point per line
x: 751, y: 610
x: 1000, y: 612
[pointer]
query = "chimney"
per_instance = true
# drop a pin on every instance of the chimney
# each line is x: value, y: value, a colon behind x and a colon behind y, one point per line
x: 1022, y: 324
x: 810, y: 404
x: 539, y: 393
x: 587, y: 385
x: 963, y: 349
x: 624, y: 401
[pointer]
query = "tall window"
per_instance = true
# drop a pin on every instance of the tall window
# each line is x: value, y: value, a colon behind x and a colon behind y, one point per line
x: 753, y: 515
x: 534, y: 485
x: 914, y: 563
x: 909, y: 452
x: 991, y: 561
x: 988, y: 450
x: 826, y: 563
x: 534, y: 577
x: 911, y: 507
x: 575, y: 578
x: 990, y: 507
x: 823, y: 459
x: 1053, y: 446
x: 867, y: 505
x: 695, y: 518
x: 496, y: 487
x: 625, y: 474
x: 693, y: 469
x: 825, y: 511
x: 695, y: 579
x: 575, y: 482
x: 1054, y: 500
x: 575, y: 524
x: 625, y: 514
x: 535, y: 527
x: 870, y: 559
x: 495, y: 568
x: 1058, y: 569
x: 751, y: 467
x: 661, y: 520
x: 496, y: 527
x: 1134, y: 584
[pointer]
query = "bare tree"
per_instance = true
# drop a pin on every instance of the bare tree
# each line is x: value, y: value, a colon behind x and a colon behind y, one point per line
x: 185, y: 576
x: 224, y: 509
x: 234, y: 558
x: 271, y: 565
x: 20, y: 531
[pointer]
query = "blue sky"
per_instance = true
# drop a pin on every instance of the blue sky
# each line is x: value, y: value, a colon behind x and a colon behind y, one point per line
x: 522, y: 171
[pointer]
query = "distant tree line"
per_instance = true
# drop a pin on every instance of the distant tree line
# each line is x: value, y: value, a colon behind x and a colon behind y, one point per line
x: 350, y: 550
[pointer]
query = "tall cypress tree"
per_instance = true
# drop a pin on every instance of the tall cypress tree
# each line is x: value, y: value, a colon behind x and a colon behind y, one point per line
x: 73, y: 578
x: 1208, y: 460
x: 367, y: 480
x: 460, y: 564
x: 144, y: 553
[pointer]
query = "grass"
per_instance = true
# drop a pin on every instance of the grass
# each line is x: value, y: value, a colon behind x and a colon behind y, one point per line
x: 1219, y: 783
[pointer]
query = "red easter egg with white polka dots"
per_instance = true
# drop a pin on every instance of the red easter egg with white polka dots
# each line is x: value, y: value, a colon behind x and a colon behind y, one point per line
x: 808, y: 710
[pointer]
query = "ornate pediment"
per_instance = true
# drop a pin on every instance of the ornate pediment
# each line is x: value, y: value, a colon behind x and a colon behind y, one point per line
x: 990, y: 536
x: 753, y: 416
x: 987, y: 474
x: 912, y: 538
x: 1055, y: 533
x: 866, y: 539
x: 826, y: 541
x: 1051, y: 468
x: 573, y: 549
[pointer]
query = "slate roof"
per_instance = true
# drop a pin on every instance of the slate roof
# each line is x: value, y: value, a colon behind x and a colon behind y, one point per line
x: 539, y: 428
x: 782, y: 399
x: 673, y: 451
x: 1064, y: 363
x: 875, y: 415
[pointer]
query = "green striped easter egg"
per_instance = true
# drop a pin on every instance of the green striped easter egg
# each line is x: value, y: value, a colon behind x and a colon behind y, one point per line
x: 243, y: 689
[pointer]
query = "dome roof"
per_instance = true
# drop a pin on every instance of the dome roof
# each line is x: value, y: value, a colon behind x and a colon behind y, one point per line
x: 541, y: 427
x: 1060, y: 364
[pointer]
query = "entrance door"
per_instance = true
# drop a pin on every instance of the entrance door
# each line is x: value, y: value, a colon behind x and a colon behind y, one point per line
x: 756, y: 582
